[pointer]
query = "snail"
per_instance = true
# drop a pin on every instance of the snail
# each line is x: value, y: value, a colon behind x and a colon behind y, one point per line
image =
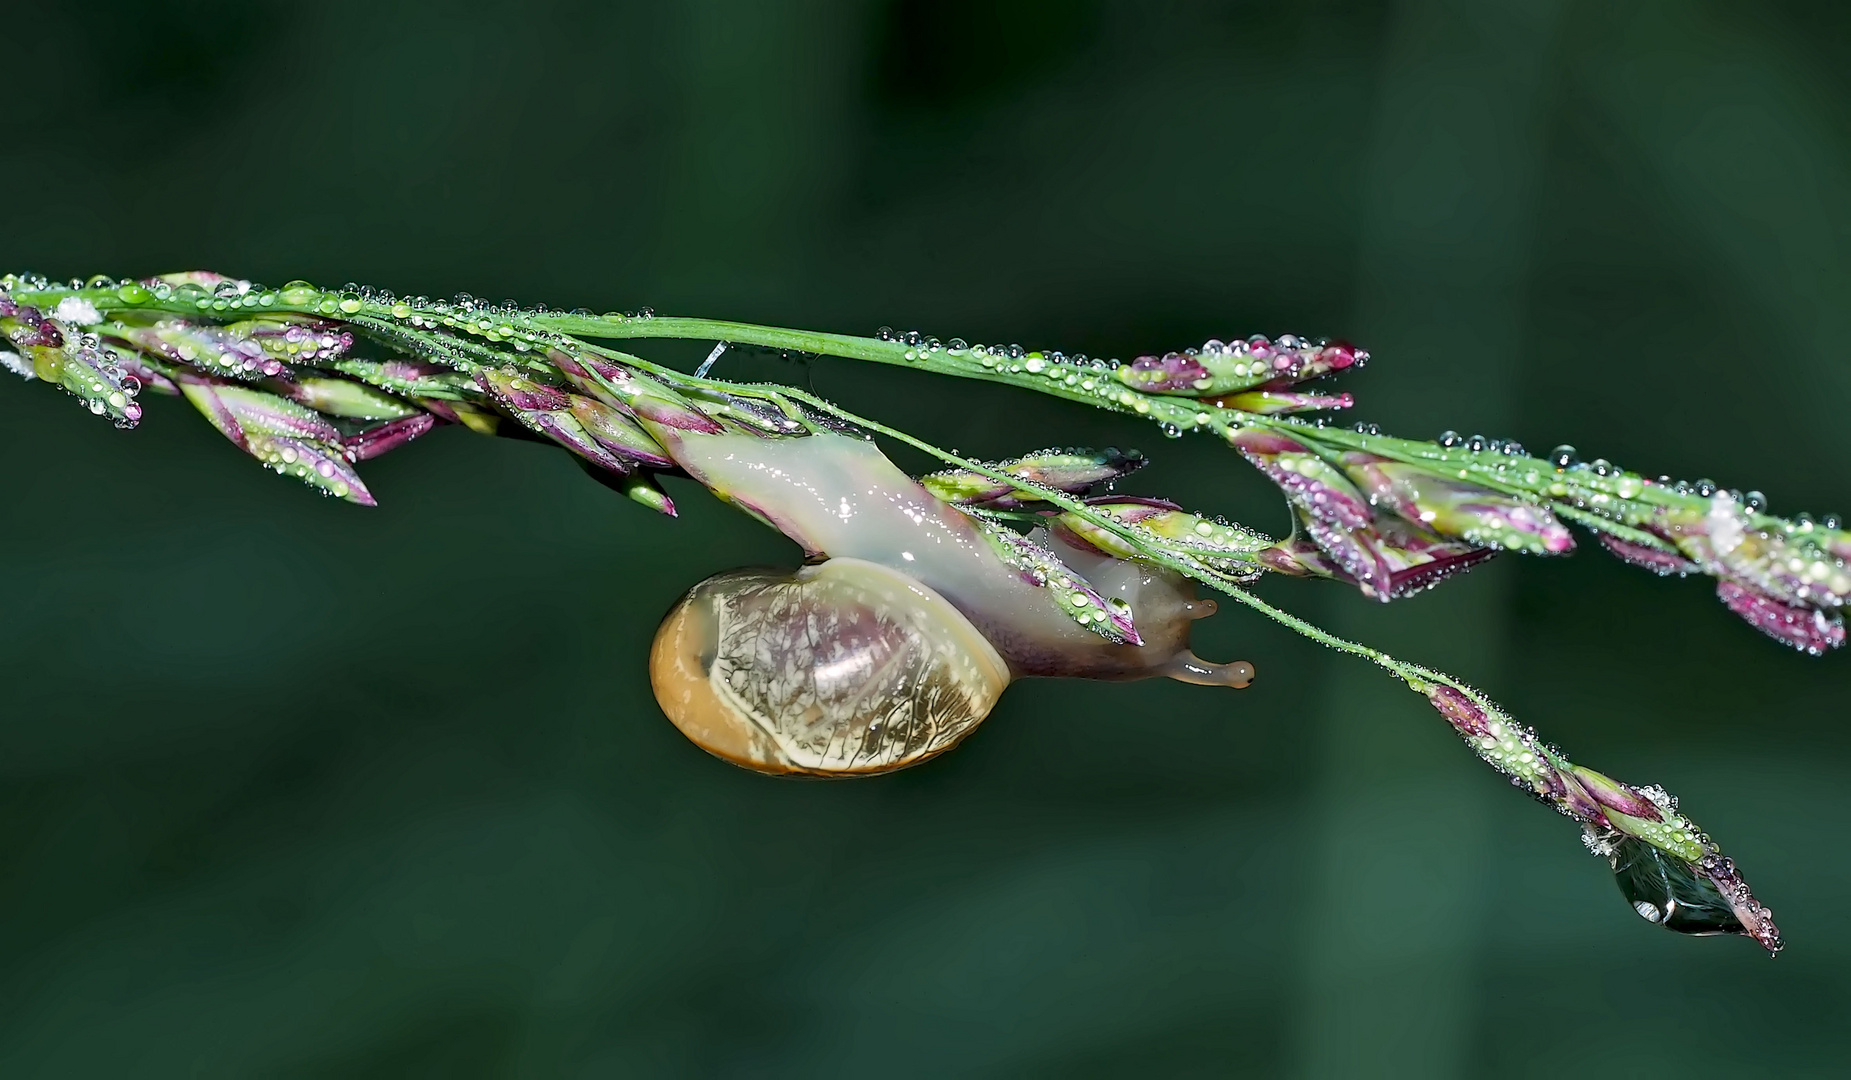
x: 902, y: 633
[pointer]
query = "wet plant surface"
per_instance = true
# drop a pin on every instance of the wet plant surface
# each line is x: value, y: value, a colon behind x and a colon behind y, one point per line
x: 303, y: 789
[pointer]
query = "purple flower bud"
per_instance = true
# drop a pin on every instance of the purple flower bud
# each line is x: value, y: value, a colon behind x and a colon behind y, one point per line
x: 136, y: 365
x: 519, y: 394
x: 1229, y: 550
x: 1280, y: 403
x: 1807, y: 629
x: 1171, y: 373
x: 1110, y: 618
x: 1613, y: 795
x: 214, y: 350
x: 1757, y: 921
x: 1071, y: 471
x: 548, y: 411
x: 87, y: 369
x: 1257, y: 363
x: 1274, y: 365
x: 1724, y: 540
x: 1464, y: 714
x: 644, y: 397
x: 241, y: 413
x: 408, y: 378
x: 618, y: 433
x: 638, y: 487
x: 287, y: 437
x: 1130, y: 509
x: 1578, y: 803
x: 388, y: 436
x: 644, y: 490
x: 1401, y: 559
x: 1456, y: 508
x: 1501, y: 742
x: 32, y: 332
x: 1306, y: 478
x: 295, y: 338
x: 1356, y: 552
x: 316, y: 463
x: 1418, y: 560
x: 1299, y: 556
x: 344, y: 397
x: 1658, y: 560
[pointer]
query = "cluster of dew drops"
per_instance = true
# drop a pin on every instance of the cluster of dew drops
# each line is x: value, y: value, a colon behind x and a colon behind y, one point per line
x: 1089, y: 374
x: 514, y: 323
x: 1565, y: 459
x: 1078, y: 369
x: 123, y: 387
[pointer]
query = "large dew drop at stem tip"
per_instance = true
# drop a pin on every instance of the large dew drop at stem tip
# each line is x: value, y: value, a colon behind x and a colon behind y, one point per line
x: 1668, y: 891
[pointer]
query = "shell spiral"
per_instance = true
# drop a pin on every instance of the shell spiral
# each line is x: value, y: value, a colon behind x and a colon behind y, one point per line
x: 843, y: 668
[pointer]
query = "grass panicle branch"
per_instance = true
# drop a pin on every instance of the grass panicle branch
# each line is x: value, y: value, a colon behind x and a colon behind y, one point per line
x: 311, y: 382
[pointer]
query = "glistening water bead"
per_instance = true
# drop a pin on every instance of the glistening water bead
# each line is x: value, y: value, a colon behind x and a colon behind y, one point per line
x: 1664, y: 889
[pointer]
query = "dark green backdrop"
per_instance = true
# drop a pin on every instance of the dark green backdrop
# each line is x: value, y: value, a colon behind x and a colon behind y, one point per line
x: 289, y: 788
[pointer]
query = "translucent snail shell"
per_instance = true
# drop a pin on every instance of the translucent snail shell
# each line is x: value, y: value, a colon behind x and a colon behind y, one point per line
x: 843, y: 668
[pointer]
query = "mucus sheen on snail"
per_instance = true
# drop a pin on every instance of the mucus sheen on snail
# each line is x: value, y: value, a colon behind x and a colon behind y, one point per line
x: 897, y: 643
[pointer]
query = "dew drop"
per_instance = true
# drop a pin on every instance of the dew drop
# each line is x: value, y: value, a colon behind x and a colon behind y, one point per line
x: 1449, y: 439
x: 1666, y: 890
x: 1564, y: 457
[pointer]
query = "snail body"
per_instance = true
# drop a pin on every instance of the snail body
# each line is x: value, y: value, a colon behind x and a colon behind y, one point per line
x: 897, y: 645
x: 837, y: 495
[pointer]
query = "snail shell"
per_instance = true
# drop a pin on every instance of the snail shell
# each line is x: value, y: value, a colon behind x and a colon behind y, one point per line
x: 843, y: 668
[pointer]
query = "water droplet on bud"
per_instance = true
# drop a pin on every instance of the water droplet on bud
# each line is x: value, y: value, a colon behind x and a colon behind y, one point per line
x: 1564, y: 457
x: 1449, y: 439
x: 1666, y: 890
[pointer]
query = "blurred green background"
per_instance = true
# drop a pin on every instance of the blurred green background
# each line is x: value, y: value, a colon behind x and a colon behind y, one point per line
x: 293, y: 789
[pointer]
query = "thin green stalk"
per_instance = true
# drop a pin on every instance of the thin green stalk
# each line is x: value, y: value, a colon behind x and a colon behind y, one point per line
x: 1387, y: 514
